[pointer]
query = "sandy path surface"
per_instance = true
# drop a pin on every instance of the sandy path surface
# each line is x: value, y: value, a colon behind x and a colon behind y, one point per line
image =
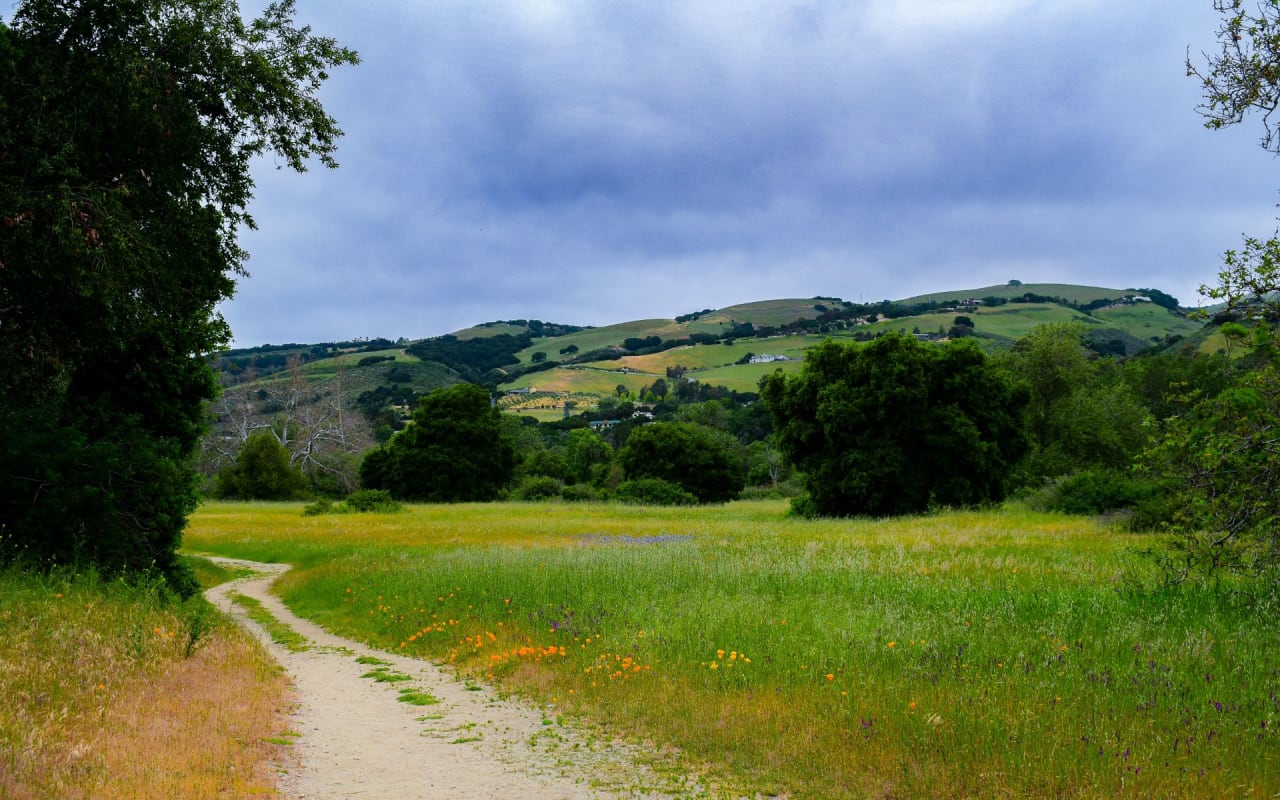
x: 357, y: 740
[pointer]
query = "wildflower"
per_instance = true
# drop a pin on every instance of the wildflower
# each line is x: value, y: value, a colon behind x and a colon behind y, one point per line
x: 831, y: 676
x: 892, y: 644
x: 912, y: 704
x: 714, y: 665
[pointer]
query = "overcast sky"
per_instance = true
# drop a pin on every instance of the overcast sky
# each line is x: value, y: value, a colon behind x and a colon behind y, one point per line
x: 597, y: 162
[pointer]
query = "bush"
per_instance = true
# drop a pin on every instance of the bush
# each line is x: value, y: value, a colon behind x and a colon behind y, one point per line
x: 377, y: 501
x: 579, y: 493
x: 653, y: 492
x: 1096, y: 491
x: 537, y: 487
x: 322, y: 506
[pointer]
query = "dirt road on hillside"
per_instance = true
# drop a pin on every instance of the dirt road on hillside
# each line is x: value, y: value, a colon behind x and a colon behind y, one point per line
x: 356, y: 739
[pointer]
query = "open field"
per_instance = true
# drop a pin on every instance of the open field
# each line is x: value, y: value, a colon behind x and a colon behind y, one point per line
x: 996, y: 654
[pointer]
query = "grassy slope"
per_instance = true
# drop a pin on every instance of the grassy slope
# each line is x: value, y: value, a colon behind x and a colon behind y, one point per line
x: 998, y: 654
x: 1076, y: 294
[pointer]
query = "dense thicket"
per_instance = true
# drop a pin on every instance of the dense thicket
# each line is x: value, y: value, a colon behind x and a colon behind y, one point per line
x: 128, y: 131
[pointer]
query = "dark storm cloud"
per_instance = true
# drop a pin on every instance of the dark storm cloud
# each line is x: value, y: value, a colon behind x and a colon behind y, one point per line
x: 595, y: 162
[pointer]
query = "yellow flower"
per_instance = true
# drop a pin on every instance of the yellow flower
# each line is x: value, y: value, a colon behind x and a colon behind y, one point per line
x: 892, y: 644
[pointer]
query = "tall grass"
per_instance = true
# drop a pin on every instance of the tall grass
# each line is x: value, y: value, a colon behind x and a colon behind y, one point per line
x: 960, y: 655
x: 113, y: 690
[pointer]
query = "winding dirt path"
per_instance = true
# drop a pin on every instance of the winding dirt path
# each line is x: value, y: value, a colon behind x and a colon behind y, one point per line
x: 357, y: 740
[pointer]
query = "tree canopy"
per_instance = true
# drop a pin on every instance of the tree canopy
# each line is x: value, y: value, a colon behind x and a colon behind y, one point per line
x: 897, y: 425
x: 701, y: 461
x: 455, y: 451
x: 130, y: 128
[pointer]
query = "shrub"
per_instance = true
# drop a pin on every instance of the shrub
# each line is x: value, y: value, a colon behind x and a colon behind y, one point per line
x: 653, y: 492
x: 537, y: 487
x: 322, y: 506
x: 579, y: 493
x: 372, y: 500
x: 1096, y: 491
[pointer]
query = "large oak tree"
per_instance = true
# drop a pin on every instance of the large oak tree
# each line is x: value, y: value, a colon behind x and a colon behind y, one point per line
x: 129, y: 128
x: 898, y: 425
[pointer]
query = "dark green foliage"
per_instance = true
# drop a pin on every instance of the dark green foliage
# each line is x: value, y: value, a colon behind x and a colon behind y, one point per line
x: 653, y: 492
x: 472, y: 358
x: 1098, y: 490
x: 261, y: 472
x: 455, y: 451
x: 372, y: 501
x: 701, y: 461
x: 897, y: 426
x: 537, y: 487
x: 1081, y: 413
x: 546, y: 463
x: 364, y: 501
x: 129, y: 129
x: 322, y: 506
x: 1223, y: 456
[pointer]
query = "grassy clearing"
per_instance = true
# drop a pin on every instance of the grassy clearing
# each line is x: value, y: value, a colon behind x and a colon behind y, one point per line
x: 960, y: 655
x: 101, y: 700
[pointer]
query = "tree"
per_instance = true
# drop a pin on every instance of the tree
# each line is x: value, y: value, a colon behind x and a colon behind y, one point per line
x: 1224, y: 457
x: 1244, y: 75
x: 261, y: 471
x: 587, y: 455
x: 129, y: 130
x: 455, y: 451
x: 1225, y: 451
x: 898, y: 425
x: 310, y: 419
x: 1081, y: 413
x: 702, y: 461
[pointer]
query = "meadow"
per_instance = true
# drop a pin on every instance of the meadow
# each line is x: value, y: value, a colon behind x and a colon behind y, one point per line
x: 984, y: 654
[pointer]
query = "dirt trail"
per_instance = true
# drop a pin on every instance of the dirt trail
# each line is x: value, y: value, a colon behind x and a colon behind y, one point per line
x: 357, y: 740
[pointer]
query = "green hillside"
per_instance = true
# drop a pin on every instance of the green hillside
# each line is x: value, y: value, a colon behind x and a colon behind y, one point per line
x: 589, y: 363
x: 1070, y: 292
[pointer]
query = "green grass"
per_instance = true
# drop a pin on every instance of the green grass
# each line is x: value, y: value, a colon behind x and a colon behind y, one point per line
x: 1071, y: 292
x: 280, y: 633
x: 1148, y: 321
x: 973, y: 654
x: 417, y: 697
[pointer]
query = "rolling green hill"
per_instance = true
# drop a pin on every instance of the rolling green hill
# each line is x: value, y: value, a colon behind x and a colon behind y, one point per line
x: 585, y: 364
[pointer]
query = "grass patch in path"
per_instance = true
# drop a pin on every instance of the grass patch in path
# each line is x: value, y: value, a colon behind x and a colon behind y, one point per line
x: 279, y: 632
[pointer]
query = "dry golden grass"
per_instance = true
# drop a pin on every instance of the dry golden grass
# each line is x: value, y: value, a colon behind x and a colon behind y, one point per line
x: 200, y: 729
x: 101, y: 702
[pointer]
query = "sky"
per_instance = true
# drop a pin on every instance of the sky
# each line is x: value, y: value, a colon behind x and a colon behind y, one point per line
x: 610, y: 160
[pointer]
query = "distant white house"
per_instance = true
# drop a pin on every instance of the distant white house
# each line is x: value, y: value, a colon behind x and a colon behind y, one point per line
x: 765, y: 358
